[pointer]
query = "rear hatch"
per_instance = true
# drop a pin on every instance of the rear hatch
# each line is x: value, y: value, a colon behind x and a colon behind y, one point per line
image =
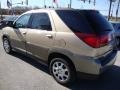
x: 90, y: 27
x: 103, y: 29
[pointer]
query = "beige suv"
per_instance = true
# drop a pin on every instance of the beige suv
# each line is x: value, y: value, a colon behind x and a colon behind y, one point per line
x: 67, y: 40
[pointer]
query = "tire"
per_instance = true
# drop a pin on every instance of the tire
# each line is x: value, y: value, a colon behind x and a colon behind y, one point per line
x: 7, y: 46
x: 62, y: 71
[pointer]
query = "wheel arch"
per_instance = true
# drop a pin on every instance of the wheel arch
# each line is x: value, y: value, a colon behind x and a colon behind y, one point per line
x: 5, y: 36
x: 56, y: 54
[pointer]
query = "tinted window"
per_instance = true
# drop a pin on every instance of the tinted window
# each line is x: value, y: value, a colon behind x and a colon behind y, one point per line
x: 22, y: 22
x: 41, y: 21
x: 97, y: 21
x: 116, y: 26
x: 86, y: 21
x: 75, y: 21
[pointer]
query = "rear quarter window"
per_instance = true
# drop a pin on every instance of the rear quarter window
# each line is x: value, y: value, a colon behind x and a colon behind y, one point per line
x: 85, y: 21
x: 97, y: 21
x: 74, y: 20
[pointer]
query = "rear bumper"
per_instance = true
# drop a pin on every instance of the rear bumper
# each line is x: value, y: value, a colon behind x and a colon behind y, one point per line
x: 93, y: 66
x: 107, y: 61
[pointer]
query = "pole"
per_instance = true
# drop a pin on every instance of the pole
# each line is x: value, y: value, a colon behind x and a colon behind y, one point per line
x: 0, y: 11
x: 44, y: 4
x: 11, y: 4
x: 112, y: 10
x: 70, y: 3
x: 27, y: 2
x: 109, y: 10
x: 117, y: 10
x: 11, y: 7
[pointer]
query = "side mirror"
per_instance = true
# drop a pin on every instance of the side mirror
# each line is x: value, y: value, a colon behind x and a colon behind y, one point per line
x: 9, y: 23
x: 17, y: 25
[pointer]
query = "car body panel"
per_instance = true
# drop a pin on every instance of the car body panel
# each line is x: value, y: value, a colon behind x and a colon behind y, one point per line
x: 17, y: 38
x: 38, y: 40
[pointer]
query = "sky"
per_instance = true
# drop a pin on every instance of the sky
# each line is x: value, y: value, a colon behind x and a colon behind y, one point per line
x: 102, y: 5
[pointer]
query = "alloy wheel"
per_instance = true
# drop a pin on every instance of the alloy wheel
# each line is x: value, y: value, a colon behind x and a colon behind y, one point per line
x: 60, y: 71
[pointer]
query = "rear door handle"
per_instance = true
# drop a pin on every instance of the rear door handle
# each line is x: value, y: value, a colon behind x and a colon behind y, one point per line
x: 24, y: 33
x: 49, y: 36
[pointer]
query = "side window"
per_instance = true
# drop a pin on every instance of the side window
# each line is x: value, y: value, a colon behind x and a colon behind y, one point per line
x: 22, y: 22
x: 41, y: 21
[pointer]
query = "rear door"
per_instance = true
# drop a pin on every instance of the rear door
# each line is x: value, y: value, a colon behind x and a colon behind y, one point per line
x: 40, y: 36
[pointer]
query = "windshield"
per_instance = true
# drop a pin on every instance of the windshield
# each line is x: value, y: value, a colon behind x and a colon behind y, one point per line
x: 116, y: 26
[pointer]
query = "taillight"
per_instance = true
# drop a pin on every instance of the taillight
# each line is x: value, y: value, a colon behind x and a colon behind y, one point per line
x: 93, y: 40
x: 104, y: 40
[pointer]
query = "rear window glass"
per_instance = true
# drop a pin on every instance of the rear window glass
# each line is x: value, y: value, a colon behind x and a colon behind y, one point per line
x: 86, y: 21
x: 98, y: 22
x: 75, y: 21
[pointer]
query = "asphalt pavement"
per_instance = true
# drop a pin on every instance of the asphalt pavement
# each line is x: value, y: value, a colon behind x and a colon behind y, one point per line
x: 18, y: 72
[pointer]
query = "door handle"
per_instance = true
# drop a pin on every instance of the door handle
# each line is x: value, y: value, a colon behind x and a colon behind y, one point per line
x: 24, y: 33
x: 49, y: 36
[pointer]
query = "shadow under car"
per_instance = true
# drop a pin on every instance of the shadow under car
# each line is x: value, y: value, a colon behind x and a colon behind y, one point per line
x: 109, y: 80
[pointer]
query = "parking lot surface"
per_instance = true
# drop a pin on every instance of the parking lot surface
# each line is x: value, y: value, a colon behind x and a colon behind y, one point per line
x: 18, y: 72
